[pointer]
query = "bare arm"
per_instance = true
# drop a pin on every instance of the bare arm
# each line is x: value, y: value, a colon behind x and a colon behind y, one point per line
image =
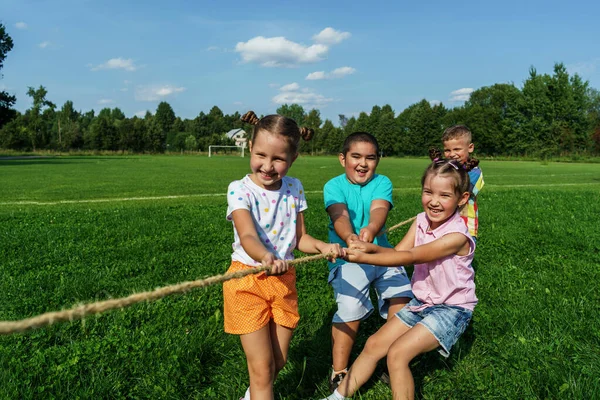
x: 309, y: 244
x: 449, y: 244
x: 341, y: 222
x: 377, y: 215
x: 252, y: 244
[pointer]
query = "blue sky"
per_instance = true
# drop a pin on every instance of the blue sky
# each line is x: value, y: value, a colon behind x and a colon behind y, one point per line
x: 341, y: 57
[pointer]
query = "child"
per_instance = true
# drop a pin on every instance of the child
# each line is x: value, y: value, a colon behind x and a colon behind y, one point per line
x: 358, y: 202
x: 439, y: 245
x: 266, y: 208
x: 458, y: 146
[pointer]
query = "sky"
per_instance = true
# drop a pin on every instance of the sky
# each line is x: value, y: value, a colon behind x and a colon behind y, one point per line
x: 341, y: 57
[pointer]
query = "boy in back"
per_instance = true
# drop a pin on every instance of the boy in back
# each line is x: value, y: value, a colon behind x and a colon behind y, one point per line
x: 458, y: 145
x: 358, y: 203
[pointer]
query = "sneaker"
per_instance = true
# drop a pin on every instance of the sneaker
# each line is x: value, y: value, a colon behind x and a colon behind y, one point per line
x: 335, y: 380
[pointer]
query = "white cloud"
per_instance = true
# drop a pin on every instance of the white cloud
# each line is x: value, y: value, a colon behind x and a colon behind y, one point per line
x: 335, y: 74
x: 585, y: 68
x: 117, y: 63
x: 238, y: 103
x: 154, y: 93
x: 342, y: 71
x: 141, y: 114
x: 292, y: 93
x: 330, y: 36
x: 44, y: 44
x: 273, y: 85
x: 461, y: 94
x: 433, y: 103
x: 106, y: 101
x: 212, y: 48
x: 21, y: 25
x: 291, y: 87
x: 315, y: 76
x: 279, y: 52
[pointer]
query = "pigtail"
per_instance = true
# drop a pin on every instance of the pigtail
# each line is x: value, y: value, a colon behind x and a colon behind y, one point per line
x: 435, y: 154
x: 471, y: 163
x: 250, y: 118
x: 306, y: 133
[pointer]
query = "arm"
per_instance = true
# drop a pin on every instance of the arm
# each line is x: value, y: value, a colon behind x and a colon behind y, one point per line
x: 449, y: 244
x: 309, y: 244
x: 252, y: 244
x: 377, y: 216
x: 340, y: 218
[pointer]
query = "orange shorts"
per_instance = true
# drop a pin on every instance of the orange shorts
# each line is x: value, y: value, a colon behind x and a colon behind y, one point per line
x: 252, y: 301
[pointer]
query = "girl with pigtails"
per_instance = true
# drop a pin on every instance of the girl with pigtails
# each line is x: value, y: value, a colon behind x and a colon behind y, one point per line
x: 266, y: 208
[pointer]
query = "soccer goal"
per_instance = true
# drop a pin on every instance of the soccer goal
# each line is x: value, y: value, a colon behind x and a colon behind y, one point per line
x: 213, y: 149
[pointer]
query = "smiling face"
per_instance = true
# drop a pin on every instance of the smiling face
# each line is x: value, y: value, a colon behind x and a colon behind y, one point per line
x: 270, y: 159
x: 440, y: 200
x: 360, y: 162
x: 458, y: 149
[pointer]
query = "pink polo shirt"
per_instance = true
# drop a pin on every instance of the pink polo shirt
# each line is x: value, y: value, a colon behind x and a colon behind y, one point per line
x: 449, y: 280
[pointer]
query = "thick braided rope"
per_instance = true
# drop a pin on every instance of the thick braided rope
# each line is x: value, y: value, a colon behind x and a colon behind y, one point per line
x: 82, y: 311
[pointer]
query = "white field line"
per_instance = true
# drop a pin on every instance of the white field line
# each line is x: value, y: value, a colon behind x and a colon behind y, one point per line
x: 185, y: 196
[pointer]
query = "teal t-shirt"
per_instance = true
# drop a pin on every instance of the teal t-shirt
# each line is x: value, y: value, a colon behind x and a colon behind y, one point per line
x: 358, y: 200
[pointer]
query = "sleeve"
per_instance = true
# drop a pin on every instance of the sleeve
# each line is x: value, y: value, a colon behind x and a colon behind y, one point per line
x: 237, y: 198
x: 332, y: 193
x: 301, y: 203
x: 383, y: 190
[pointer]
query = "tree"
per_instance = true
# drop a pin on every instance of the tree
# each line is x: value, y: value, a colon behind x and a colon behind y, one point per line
x: 313, y: 121
x: 38, y: 133
x: 6, y: 100
x: 164, y: 117
x: 293, y: 111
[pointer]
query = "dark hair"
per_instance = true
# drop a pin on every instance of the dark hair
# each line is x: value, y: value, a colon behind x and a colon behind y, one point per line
x: 280, y: 125
x: 359, y: 137
x: 457, y: 131
x: 444, y: 166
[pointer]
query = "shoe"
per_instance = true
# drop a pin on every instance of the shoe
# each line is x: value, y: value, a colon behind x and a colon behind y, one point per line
x: 335, y: 380
x: 385, y: 378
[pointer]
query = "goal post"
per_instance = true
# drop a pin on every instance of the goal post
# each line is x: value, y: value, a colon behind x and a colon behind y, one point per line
x: 211, y: 147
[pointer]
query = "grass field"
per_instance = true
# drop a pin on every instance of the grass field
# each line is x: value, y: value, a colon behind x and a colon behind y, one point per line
x: 79, y: 229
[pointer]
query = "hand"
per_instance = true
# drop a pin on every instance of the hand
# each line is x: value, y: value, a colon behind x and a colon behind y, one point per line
x: 351, y: 239
x: 366, y: 235
x: 278, y: 267
x: 354, y: 255
x: 363, y: 247
x: 334, y: 248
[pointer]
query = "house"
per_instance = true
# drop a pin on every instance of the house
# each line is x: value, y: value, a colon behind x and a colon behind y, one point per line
x: 239, y: 135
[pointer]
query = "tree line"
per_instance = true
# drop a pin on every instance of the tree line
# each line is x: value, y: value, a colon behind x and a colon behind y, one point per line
x: 550, y: 115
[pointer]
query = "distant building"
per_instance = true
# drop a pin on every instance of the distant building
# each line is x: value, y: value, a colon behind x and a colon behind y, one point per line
x: 239, y: 135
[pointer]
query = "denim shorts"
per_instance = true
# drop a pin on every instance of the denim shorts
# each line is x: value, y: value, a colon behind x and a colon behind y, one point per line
x: 445, y: 322
x: 351, y: 283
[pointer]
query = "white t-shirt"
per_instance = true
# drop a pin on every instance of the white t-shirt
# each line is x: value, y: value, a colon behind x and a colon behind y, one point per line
x: 274, y: 213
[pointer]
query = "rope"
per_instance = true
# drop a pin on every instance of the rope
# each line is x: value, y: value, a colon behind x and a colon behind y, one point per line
x: 82, y: 311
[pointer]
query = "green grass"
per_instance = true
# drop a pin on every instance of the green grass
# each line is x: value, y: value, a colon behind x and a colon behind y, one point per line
x: 535, y: 333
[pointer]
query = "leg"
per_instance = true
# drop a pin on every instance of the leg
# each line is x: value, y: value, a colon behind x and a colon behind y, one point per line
x: 350, y: 283
x: 261, y: 365
x: 396, y: 304
x: 375, y: 349
x: 280, y: 342
x: 343, y: 336
x: 414, y: 342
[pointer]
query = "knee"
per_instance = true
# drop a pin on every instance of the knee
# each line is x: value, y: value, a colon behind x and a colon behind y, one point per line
x: 262, y: 373
x: 374, y: 348
x: 397, y: 357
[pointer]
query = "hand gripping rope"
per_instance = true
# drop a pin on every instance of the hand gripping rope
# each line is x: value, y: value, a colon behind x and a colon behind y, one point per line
x: 82, y: 311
